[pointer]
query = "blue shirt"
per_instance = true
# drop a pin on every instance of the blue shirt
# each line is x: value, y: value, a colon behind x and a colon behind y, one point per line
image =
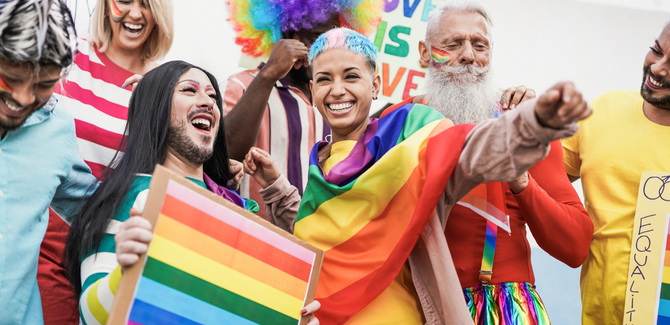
x: 40, y: 166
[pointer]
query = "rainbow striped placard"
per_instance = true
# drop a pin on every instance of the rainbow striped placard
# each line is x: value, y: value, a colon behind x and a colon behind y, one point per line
x: 209, y: 264
x: 663, y: 296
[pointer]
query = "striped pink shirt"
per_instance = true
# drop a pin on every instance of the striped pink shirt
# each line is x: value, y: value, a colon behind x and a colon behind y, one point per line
x: 92, y: 93
x: 289, y: 130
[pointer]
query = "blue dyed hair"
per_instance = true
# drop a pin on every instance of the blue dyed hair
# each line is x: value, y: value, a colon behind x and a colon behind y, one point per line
x: 345, y: 39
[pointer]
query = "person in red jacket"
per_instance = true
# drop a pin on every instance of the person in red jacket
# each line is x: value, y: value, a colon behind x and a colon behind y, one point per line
x: 498, y: 282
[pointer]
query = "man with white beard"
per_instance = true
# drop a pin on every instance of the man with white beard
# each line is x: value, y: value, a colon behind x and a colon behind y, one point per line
x: 457, y: 51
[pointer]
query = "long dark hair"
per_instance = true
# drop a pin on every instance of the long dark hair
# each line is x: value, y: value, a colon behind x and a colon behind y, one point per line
x: 146, y: 144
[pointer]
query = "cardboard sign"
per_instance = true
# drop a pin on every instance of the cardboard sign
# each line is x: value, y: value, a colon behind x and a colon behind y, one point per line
x: 211, y: 261
x: 397, y: 38
x: 648, y: 287
x: 403, y: 25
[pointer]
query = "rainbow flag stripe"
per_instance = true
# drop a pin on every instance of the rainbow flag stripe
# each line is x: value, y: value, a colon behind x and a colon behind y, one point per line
x: 369, y: 211
x: 439, y: 56
x: 663, y: 314
x: 4, y: 86
x: 208, y: 265
x: 117, y: 14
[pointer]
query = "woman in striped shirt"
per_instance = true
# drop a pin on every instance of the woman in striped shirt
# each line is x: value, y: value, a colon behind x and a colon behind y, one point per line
x: 126, y: 38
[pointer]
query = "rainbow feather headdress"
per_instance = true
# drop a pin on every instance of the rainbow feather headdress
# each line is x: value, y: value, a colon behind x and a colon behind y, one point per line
x: 259, y: 23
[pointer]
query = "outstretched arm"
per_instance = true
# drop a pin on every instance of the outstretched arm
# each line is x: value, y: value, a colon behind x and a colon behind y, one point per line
x: 503, y: 149
x: 243, y: 121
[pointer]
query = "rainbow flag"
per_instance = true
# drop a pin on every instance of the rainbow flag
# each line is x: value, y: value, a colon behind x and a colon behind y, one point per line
x: 369, y: 211
x: 663, y: 304
x: 209, y: 265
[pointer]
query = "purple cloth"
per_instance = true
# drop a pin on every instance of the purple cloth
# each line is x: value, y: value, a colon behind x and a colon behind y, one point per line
x: 224, y: 192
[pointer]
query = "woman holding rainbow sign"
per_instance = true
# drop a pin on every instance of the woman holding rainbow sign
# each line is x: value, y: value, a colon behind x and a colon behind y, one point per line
x: 378, y: 195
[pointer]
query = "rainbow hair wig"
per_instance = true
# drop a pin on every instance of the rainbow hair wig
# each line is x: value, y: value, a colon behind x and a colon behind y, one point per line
x: 260, y: 23
x: 345, y: 39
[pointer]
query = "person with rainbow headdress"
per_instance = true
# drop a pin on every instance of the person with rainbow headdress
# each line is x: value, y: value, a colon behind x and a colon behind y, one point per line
x: 270, y: 107
x: 378, y: 195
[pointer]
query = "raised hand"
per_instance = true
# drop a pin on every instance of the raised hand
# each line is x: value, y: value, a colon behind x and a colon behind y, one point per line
x: 261, y: 167
x: 286, y: 54
x: 561, y: 105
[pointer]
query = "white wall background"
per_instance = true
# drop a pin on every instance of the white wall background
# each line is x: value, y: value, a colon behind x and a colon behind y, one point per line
x: 598, y: 44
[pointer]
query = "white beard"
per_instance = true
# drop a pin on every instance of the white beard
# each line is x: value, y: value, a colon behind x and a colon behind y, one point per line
x: 464, y: 94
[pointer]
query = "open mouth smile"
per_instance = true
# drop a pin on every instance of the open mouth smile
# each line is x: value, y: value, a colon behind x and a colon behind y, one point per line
x: 202, y: 123
x: 341, y: 108
x: 655, y: 85
x: 133, y: 29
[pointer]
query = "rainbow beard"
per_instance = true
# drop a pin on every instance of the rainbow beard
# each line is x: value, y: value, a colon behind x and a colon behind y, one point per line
x: 4, y: 86
x: 440, y: 57
x: 117, y: 14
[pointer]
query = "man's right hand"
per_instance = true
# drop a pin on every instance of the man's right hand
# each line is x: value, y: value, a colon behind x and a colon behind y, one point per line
x: 286, y: 54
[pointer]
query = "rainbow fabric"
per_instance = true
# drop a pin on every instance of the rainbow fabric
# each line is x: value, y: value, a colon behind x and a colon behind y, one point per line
x: 4, y: 86
x: 509, y: 303
x: 371, y: 208
x: 663, y: 313
x: 117, y: 14
x: 439, y: 56
x: 209, y: 265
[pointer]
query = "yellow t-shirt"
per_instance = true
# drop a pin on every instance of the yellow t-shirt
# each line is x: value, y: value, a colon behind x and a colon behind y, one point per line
x: 609, y: 153
x: 399, y: 303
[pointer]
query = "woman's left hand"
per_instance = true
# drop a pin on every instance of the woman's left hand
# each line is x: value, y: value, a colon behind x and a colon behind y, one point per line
x: 309, y: 311
x: 132, y: 81
x: 261, y: 167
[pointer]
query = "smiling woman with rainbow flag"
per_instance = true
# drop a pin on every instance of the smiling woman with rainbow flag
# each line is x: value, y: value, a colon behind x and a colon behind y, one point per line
x: 378, y: 195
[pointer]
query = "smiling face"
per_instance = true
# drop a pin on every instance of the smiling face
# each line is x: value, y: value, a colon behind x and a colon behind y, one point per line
x: 132, y: 22
x: 342, y: 90
x: 22, y: 92
x: 195, y: 118
x: 656, y: 80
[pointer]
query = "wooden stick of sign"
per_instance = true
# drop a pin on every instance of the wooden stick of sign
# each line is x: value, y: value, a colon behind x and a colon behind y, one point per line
x: 211, y: 261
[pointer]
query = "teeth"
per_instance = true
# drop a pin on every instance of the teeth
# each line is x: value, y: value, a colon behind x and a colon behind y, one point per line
x: 12, y: 107
x: 339, y: 107
x: 653, y: 82
x: 200, y: 121
x: 131, y: 26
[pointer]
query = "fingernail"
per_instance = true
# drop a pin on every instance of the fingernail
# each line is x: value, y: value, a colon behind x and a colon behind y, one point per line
x: 124, y: 85
x: 303, y: 312
x: 512, y: 106
x: 504, y: 105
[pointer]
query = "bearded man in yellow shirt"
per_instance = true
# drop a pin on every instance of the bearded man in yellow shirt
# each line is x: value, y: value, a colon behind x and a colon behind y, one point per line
x: 629, y: 132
